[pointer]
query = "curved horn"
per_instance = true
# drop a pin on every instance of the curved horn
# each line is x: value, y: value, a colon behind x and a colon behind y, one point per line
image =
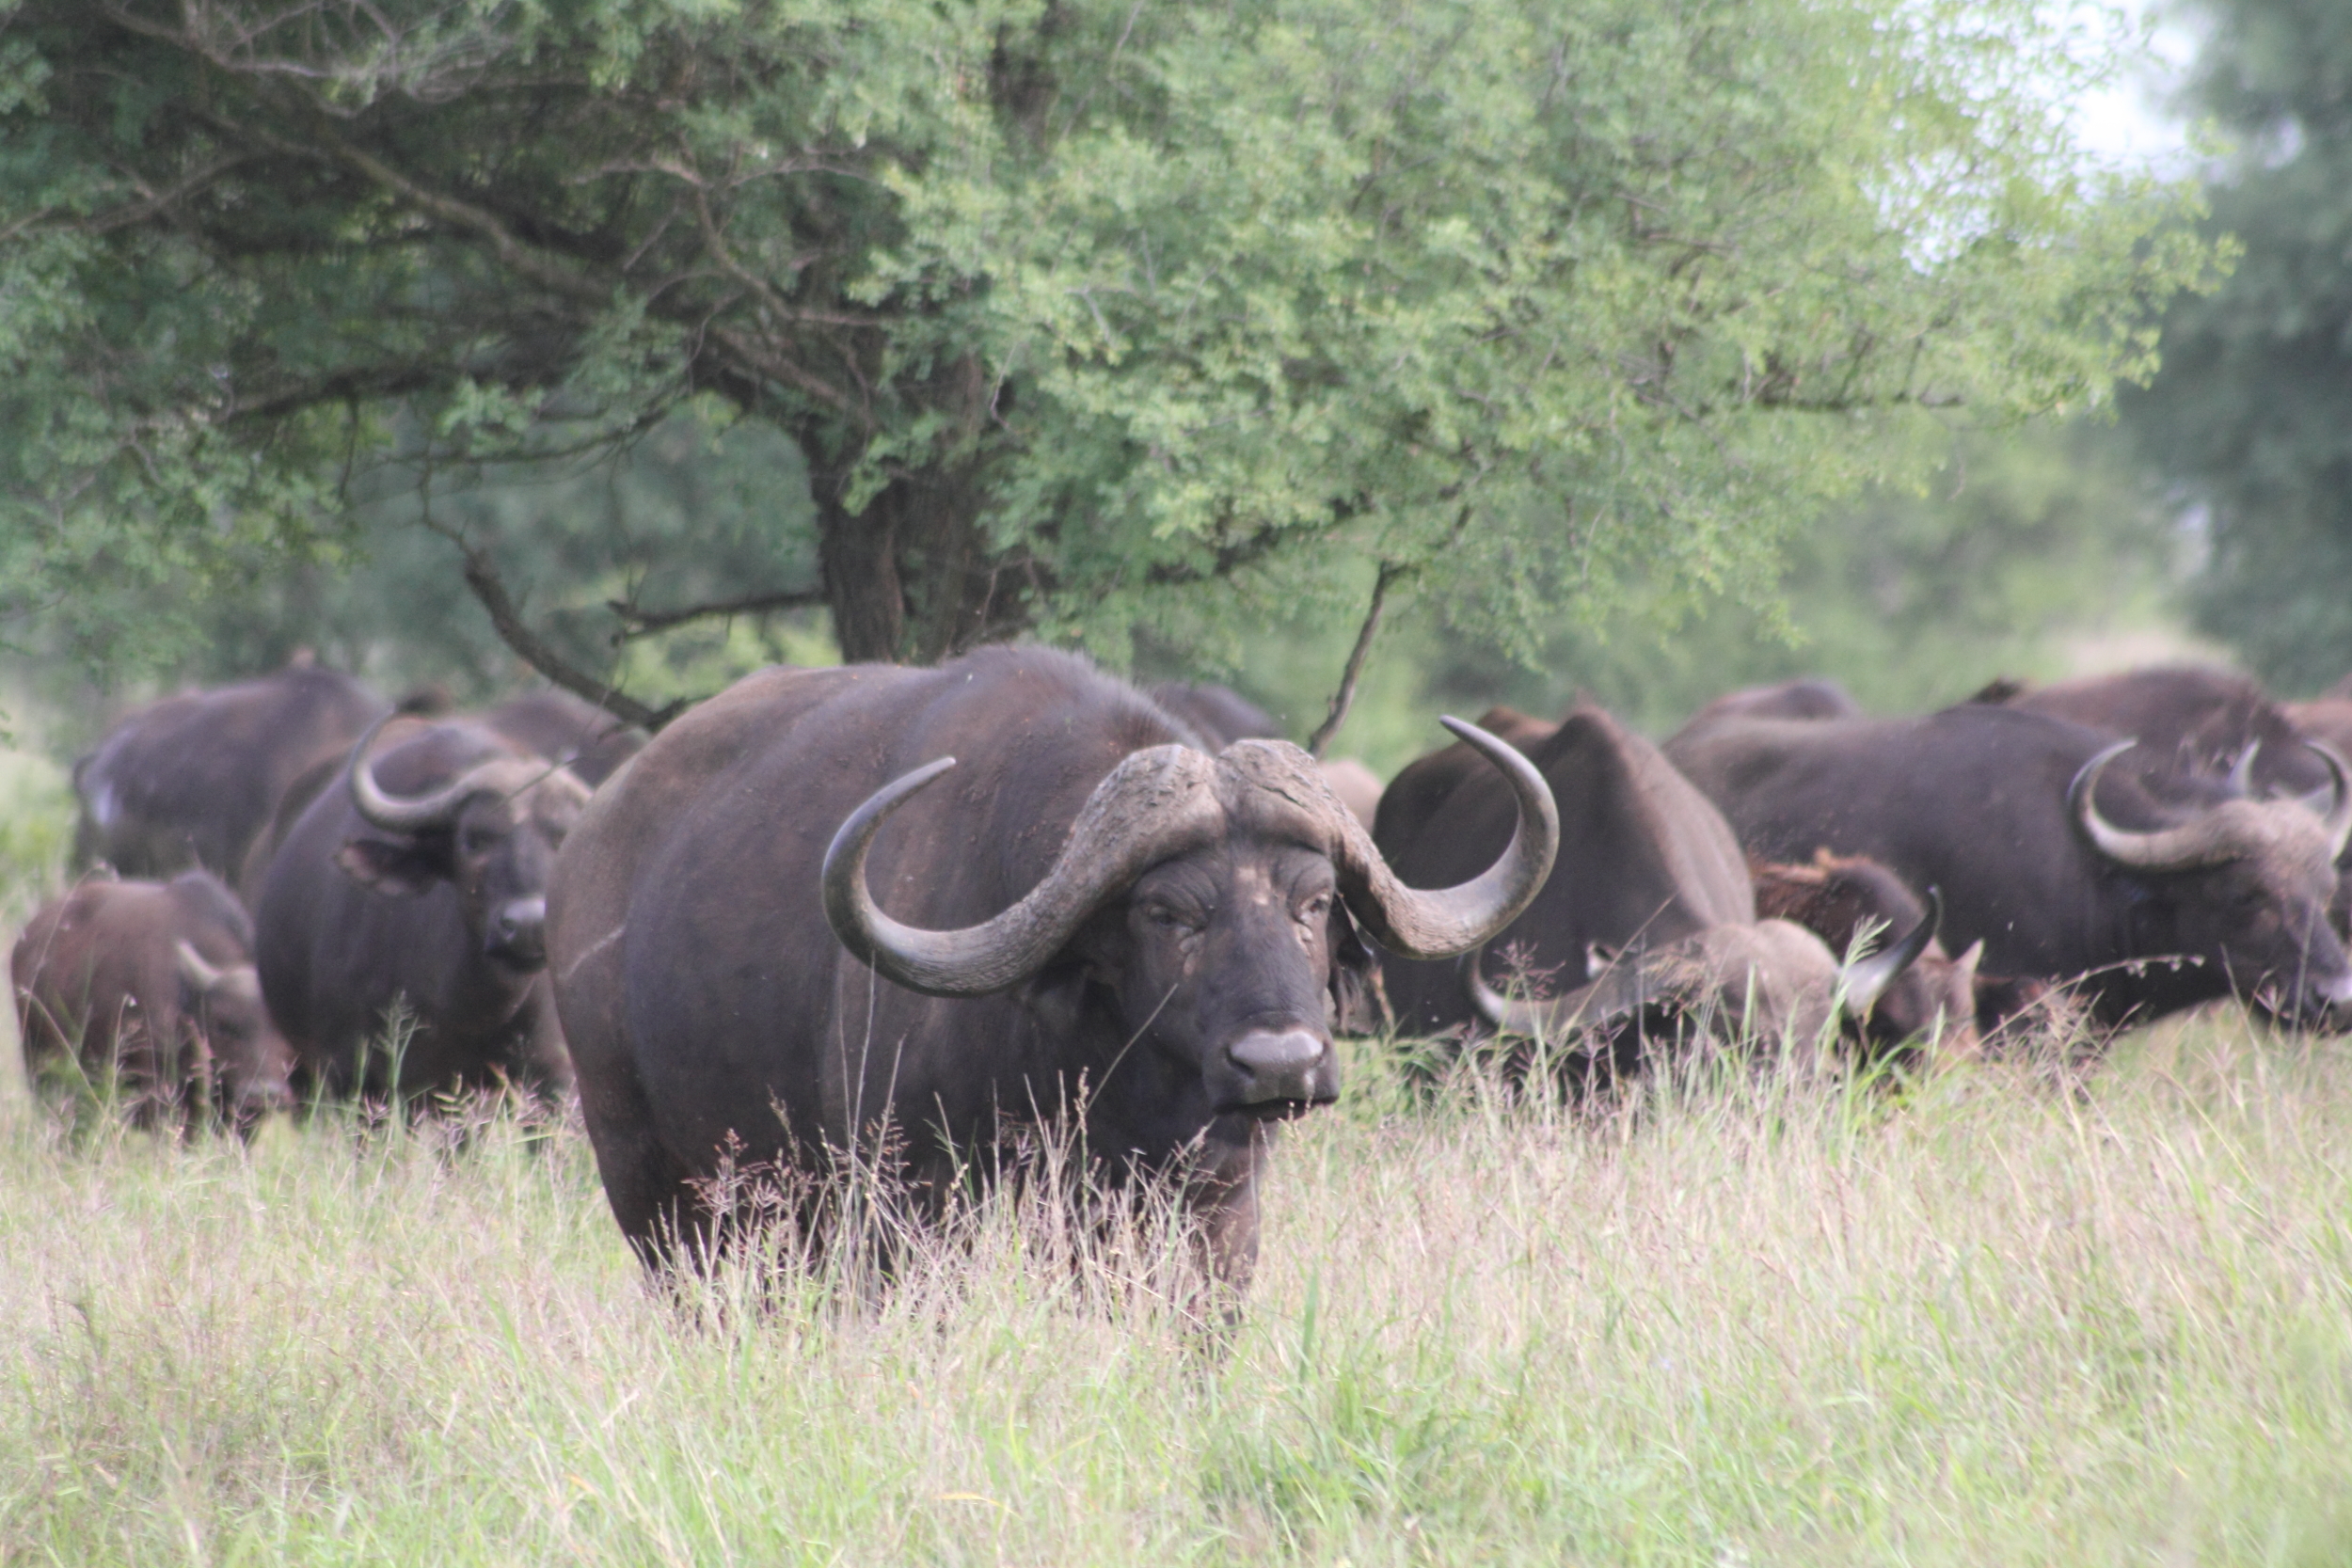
x: 2202, y: 842
x: 2241, y: 780
x: 1622, y: 991
x: 1440, y: 923
x: 193, y: 967
x: 1154, y: 805
x: 2337, y: 818
x: 415, y: 813
x: 1864, y: 980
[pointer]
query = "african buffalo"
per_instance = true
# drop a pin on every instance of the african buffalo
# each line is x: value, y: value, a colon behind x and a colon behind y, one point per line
x: 422, y: 879
x: 2062, y: 872
x: 556, y: 724
x: 1842, y: 898
x: 1807, y: 698
x: 589, y: 743
x: 1649, y: 909
x: 1104, y: 927
x: 153, y: 984
x: 2189, y: 719
x: 192, y: 779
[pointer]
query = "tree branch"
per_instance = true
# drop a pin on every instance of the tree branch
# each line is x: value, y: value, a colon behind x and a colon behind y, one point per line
x: 1345, y: 698
x: 482, y: 576
x: 642, y: 622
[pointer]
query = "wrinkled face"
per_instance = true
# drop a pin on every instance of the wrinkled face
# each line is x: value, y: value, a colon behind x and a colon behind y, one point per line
x: 2267, y: 914
x: 251, y: 1058
x: 1230, y: 961
x: 498, y: 850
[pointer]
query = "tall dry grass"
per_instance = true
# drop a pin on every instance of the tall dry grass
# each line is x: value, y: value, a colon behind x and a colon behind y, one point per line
x: 2008, y: 1316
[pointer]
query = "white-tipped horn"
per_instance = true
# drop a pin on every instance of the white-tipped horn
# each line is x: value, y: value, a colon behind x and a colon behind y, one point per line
x: 2242, y: 771
x: 193, y: 967
x: 1866, y: 979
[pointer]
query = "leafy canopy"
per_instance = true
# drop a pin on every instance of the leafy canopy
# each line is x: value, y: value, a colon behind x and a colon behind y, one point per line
x: 1090, y: 318
x: 2252, y: 413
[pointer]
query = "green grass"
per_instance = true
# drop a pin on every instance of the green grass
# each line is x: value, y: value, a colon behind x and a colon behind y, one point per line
x: 2009, y: 1318
x: 2011, y: 1315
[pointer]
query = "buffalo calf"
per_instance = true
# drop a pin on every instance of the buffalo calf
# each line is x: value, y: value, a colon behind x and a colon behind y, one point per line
x: 152, y: 985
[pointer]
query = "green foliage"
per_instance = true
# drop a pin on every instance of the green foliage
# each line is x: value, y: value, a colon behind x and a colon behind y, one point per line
x: 2253, y: 412
x: 2019, y: 546
x: 1090, y: 318
x: 694, y: 510
x: 36, y: 825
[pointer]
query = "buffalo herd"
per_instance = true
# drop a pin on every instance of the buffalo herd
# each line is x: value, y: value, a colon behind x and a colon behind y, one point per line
x: 903, y: 918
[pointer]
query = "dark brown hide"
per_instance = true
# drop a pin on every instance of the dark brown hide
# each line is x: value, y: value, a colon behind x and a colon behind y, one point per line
x: 2188, y: 720
x: 152, y: 983
x: 1839, y: 897
x: 191, y: 779
x: 1423, y: 785
x: 1809, y: 698
x: 716, y: 1020
x: 353, y: 917
x: 1974, y: 799
x: 1647, y: 869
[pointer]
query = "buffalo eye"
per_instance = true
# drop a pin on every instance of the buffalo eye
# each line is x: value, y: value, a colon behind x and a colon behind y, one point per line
x: 475, y: 840
x: 1315, y: 909
x: 1169, y: 918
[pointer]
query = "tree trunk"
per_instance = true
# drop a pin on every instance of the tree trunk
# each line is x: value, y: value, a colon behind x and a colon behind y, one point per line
x: 912, y: 579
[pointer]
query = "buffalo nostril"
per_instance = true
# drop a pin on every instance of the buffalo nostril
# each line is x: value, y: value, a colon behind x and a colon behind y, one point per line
x: 1263, y: 1053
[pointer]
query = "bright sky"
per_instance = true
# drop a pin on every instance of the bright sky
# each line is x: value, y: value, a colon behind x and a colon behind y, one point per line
x: 2133, y: 123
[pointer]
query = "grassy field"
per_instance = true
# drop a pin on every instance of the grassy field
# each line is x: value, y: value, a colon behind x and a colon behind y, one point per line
x: 2009, y: 1316
x: 1764, y: 1320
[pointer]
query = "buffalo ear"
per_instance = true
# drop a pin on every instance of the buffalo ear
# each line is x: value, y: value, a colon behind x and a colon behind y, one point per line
x: 397, y: 867
x: 1057, y: 997
x: 1358, y: 1005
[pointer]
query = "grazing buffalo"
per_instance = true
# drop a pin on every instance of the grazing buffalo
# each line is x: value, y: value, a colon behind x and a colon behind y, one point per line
x: 2063, y: 866
x: 153, y: 984
x: 1091, y: 922
x: 422, y: 879
x: 1650, y: 910
x: 1219, y: 714
x: 192, y: 779
x: 1842, y: 898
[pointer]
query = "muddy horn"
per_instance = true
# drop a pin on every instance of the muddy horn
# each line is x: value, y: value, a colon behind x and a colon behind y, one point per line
x: 414, y: 814
x: 1440, y: 923
x: 2205, y: 841
x: 1154, y: 805
x: 1160, y: 802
